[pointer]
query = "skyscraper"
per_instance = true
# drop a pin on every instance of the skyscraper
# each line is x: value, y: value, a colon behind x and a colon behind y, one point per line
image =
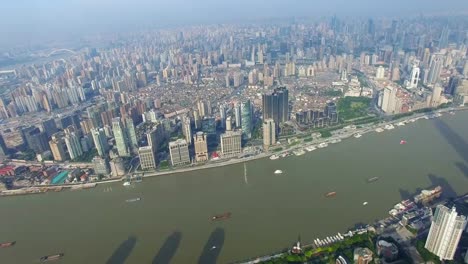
x: 35, y: 139
x: 201, y: 147
x: 179, y: 152
x: 435, y: 69
x: 49, y: 127
x: 414, y: 77
x: 187, y: 130
x: 276, y: 105
x: 222, y: 115
x: 389, y: 100
x: 57, y: 146
x: 72, y: 141
x: 120, y: 137
x: 100, y: 141
x: 246, y: 119
x: 147, y: 158
x: 228, y: 123
x: 231, y: 143
x: 131, y: 134
x: 445, y: 232
x: 237, y: 115
x: 101, y: 166
x: 269, y: 133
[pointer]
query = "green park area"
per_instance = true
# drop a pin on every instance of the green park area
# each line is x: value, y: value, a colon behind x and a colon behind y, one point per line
x: 353, y: 107
x: 328, y: 254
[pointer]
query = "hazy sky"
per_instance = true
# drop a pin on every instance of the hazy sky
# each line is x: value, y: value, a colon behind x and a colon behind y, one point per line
x: 25, y: 19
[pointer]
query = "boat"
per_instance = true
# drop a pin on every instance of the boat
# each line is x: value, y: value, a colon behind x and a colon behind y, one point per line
x: 364, y: 203
x: 378, y: 130
x: 330, y: 194
x: 322, y: 145
x: 274, y: 157
x: 126, y: 183
x: 7, y: 244
x: 452, y: 112
x: 373, y: 179
x: 299, y: 152
x: 133, y: 200
x: 357, y: 135
x: 51, y: 257
x: 310, y: 148
x: 401, y: 124
x: 389, y: 127
x: 427, y: 196
x: 338, y: 140
x: 402, y: 142
x: 221, y: 217
x: 278, y: 171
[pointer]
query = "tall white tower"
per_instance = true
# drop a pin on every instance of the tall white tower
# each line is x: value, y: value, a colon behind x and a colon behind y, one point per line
x: 446, y: 229
x: 414, y: 77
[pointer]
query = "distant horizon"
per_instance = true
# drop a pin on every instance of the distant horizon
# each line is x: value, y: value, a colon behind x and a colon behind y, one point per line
x: 30, y: 22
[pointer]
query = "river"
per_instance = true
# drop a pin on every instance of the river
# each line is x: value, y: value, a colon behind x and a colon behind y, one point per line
x: 171, y: 224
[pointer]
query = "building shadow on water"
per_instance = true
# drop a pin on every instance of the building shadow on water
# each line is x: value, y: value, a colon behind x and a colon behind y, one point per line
x: 455, y: 140
x: 123, y: 251
x: 212, y: 247
x: 447, y: 189
x: 463, y: 168
x: 168, y: 249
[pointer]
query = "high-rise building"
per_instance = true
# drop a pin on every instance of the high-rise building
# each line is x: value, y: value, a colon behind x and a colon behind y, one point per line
x: 57, y: 146
x: 389, y: 100
x: 246, y: 119
x: 380, y: 73
x: 276, y: 105
x: 201, y: 147
x: 72, y: 141
x: 414, y: 77
x: 49, y: 127
x: 331, y: 112
x: 237, y: 115
x: 436, y: 95
x: 445, y: 232
x: 35, y: 139
x: 222, y: 115
x: 131, y: 134
x: 187, y: 130
x: 179, y: 152
x: 197, y: 119
x: 147, y: 158
x: 269, y: 133
x: 231, y: 143
x: 435, y: 69
x: 228, y: 123
x: 101, y: 166
x: 100, y: 141
x: 3, y: 147
x: 120, y: 137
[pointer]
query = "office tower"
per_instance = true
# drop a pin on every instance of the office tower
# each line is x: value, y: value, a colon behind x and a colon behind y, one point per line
x: 197, y: 119
x: 179, y: 152
x: 388, y: 100
x: 49, y: 127
x: 231, y: 143
x: 276, y: 105
x: 202, y: 108
x: 414, y: 77
x: 330, y: 112
x: 57, y: 147
x: 444, y: 37
x: 435, y: 69
x: 100, y: 141
x: 269, y: 133
x: 147, y: 158
x: 155, y: 136
x: 436, y: 95
x: 201, y: 147
x: 445, y: 232
x: 187, y: 130
x: 237, y: 115
x: 454, y: 81
x: 131, y: 134
x: 120, y: 137
x: 465, y: 69
x: 395, y: 74
x: 101, y: 166
x: 3, y: 147
x: 380, y: 74
x: 229, y: 123
x: 35, y: 139
x: 72, y: 141
x: 246, y: 119
x: 222, y: 115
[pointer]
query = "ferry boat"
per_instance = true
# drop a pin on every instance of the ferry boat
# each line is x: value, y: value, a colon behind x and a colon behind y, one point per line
x: 357, y: 135
x: 278, y: 171
x: 330, y: 194
x: 373, y: 179
x: 402, y: 142
x: 378, y: 130
x: 220, y: 217
x: 364, y: 203
x: 127, y: 183
x: 51, y: 257
x: 7, y: 244
x: 274, y: 157
x: 322, y: 145
x: 310, y: 148
x: 338, y: 140
x: 389, y: 127
x: 452, y: 112
x: 401, y: 124
x: 299, y: 152
x: 133, y: 200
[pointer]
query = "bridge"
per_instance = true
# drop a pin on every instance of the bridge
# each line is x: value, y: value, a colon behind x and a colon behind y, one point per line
x: 60, y: 50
